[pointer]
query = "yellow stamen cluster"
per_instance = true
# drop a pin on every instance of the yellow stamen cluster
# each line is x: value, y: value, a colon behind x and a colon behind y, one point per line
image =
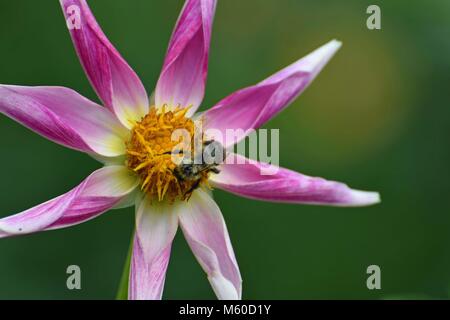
x: 149, y: 153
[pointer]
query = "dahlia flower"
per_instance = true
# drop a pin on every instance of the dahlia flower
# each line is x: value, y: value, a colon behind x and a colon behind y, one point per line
x: 130, y: 135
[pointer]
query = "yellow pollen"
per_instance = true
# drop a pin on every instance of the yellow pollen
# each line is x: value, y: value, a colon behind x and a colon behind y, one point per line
x: 149, y: 154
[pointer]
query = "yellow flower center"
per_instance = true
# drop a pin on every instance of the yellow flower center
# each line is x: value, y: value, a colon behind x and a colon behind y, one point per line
x: 150, y: 152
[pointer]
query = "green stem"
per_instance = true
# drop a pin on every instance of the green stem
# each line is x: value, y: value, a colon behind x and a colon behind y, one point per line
x: 122, y: 292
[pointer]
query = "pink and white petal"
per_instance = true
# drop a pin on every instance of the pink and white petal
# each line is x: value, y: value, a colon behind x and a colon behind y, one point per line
x: 65, y: 117
x: 129, y: 200
x: 40, y: 217
x: 101, y: 191
x: 207, y: 235
x: 183, y: 78
x: 156, y: 226
x: 111, y: 187
x: 252, y: 107
x: 256, y: 180
x: 109, y: 161
x: 113, y: 79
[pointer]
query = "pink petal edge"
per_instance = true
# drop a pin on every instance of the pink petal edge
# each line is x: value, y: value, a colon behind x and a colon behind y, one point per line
x: 101, y: 191
x: 65, y: 117
x: 112, y: 78
x: 183, y: 78
x: 206, y: 233
x: 156, y: 226
x: 255, y: 180
x: 250, y: 108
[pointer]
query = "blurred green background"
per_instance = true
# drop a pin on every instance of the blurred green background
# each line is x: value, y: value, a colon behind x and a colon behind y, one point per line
x: 377, y: 117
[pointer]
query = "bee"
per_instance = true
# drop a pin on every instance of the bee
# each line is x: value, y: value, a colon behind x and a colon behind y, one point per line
x: 191, y: 170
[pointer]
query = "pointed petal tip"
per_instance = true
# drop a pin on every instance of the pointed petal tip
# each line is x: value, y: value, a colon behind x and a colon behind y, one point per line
x: 115, y: 82
x: 206, y: 233
x: 331, y: 46
x: 364, y: 198
x: 316, y: 60
x: 99, y: 192
x: 223, y: 288
x: 183, y: 78
x: 64, y: 116
x: 337, y: 44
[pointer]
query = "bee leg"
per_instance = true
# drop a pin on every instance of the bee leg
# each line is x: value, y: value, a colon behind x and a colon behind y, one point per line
x: 177, y: 175
x: 188, y: 193
x: 215, y: 170
x: 208, y: 142
x: 175, y: 152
